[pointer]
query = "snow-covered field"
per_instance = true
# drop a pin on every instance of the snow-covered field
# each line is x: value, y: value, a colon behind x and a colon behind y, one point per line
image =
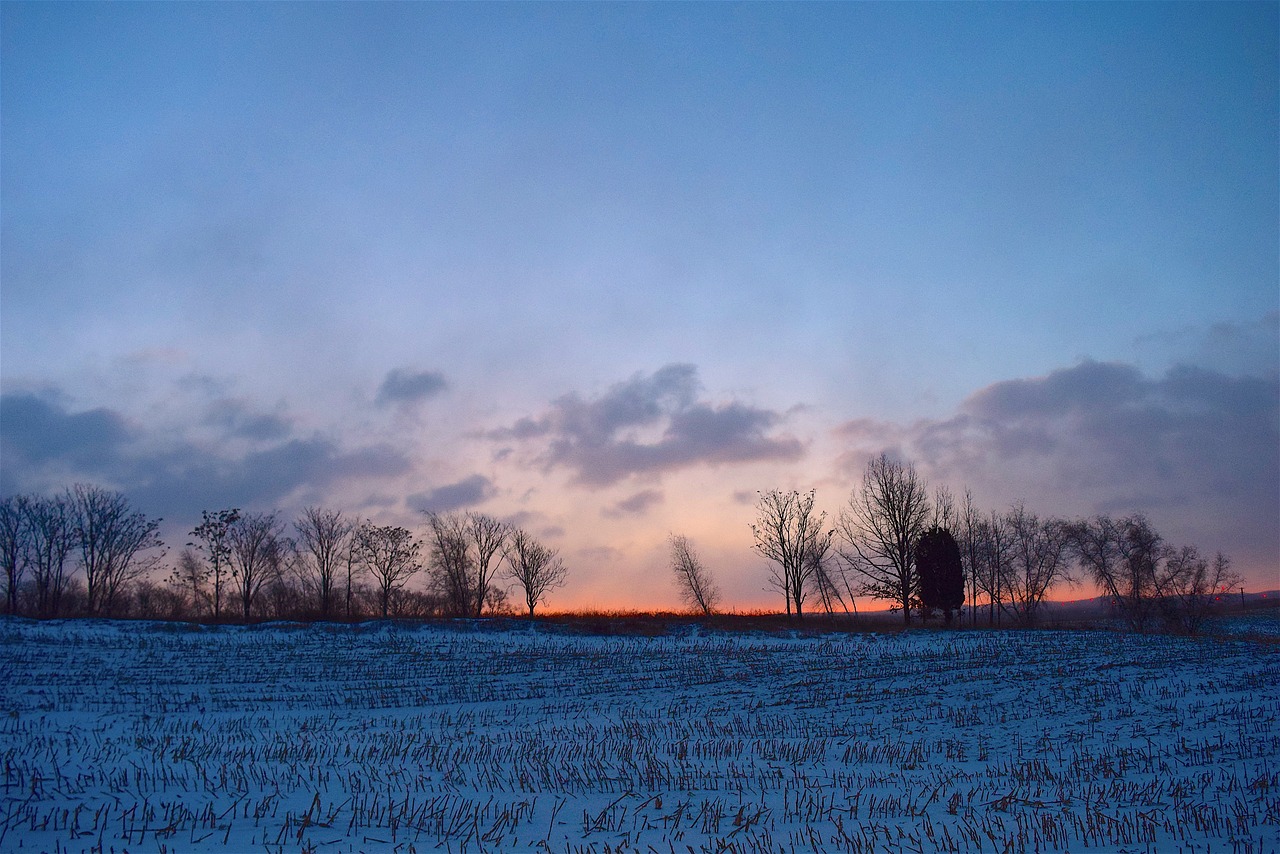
x: 152, y: 737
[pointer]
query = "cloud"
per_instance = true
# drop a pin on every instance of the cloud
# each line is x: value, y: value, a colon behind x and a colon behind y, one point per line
x: 454, y: 496
x: 238, y: 420
x: 190, y: 479
x: 648, y: 425
x: 1232, y: 347
x: 401, y: 386
x: 35, y: 429
x: 636, y: 505
x: 45, y: 446
x: 1196, y: 448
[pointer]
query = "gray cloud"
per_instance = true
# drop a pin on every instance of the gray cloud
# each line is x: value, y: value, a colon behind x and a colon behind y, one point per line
x: 190, y: 479
x: 401, y: 386
x: 454, y: 496
x: 1231, y: 347
x: 599, y: 438
x: 238, y: 420
x: 636, y: 505
x: 35, y: 429
x: 1195, y: 448
x: 45, y: 446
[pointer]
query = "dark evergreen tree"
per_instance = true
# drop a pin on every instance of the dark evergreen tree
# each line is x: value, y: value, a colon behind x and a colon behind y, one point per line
x: 941, y: 572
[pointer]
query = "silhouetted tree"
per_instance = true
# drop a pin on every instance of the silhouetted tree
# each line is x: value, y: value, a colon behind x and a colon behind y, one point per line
x: 52, y: 533
x: 535, y: 567
x: 827, y: 579
x: 1142, y: 553
x: 466, y: 554
x: 1038, y: 560
x: 995, y: 543
x: 323, y: 545
x: 117, y: 546
x: 159, y: 601
x: 257, y: 555
x: 391, y: 555
x: 14, y: 545
x: 879, y: 528
x: 1124, y: 558
x: 189, y: 579
x: 969, y: 523
x: 486, y: 538
x: 792, y: 534
x: 355, y: 568
x: 214, y: 534
x: 944, y: 509
x: 1189, y: 585
x: 941, y: 569
x: 450, y: 565
x: 693, y: 579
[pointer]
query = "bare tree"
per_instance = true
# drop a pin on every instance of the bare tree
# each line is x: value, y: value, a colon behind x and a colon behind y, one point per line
x: 159, y: 601
x: 944, y: 509
x: 828, y: 579
x: 697, y: 587
x: 969, y: 525
x: 116, y: 546
x: 996, y: 545
x: 257, y: 555
x: 190, y: 579
x: 391, y: 555
x: 792, y: 534
x: 14, y: 545
x: 1039, y: 552
x: 1142, y: 553
x: 466, y: 554
x: 1126, y: 559
x: 323, y: 545
x: 535, y: 567
x: 451, y: 565
x: 355, y: 567
x: 51, y: 528
x: 214, y: 534
x: 1190, y: 584
x: 487, y: 538
x: 879, y: 528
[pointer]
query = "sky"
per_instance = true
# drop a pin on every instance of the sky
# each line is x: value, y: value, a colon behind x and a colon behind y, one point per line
x: 609, y: 270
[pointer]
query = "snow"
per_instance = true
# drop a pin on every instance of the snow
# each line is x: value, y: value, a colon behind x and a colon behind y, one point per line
x: 168, y: 737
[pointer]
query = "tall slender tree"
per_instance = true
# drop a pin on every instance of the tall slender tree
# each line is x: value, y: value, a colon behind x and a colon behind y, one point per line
x: 14, y: 547
x: 697, y: 588
x: 52, y: 532
x: 969, y: 521
x: 214, y: 534
x: 487, y: 538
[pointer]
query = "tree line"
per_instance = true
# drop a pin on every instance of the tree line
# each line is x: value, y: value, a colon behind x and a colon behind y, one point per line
x: 85, y: 551
x: 925, y: 555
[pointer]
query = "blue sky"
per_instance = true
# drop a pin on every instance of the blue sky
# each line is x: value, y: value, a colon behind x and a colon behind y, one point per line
x: 609, y: 269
